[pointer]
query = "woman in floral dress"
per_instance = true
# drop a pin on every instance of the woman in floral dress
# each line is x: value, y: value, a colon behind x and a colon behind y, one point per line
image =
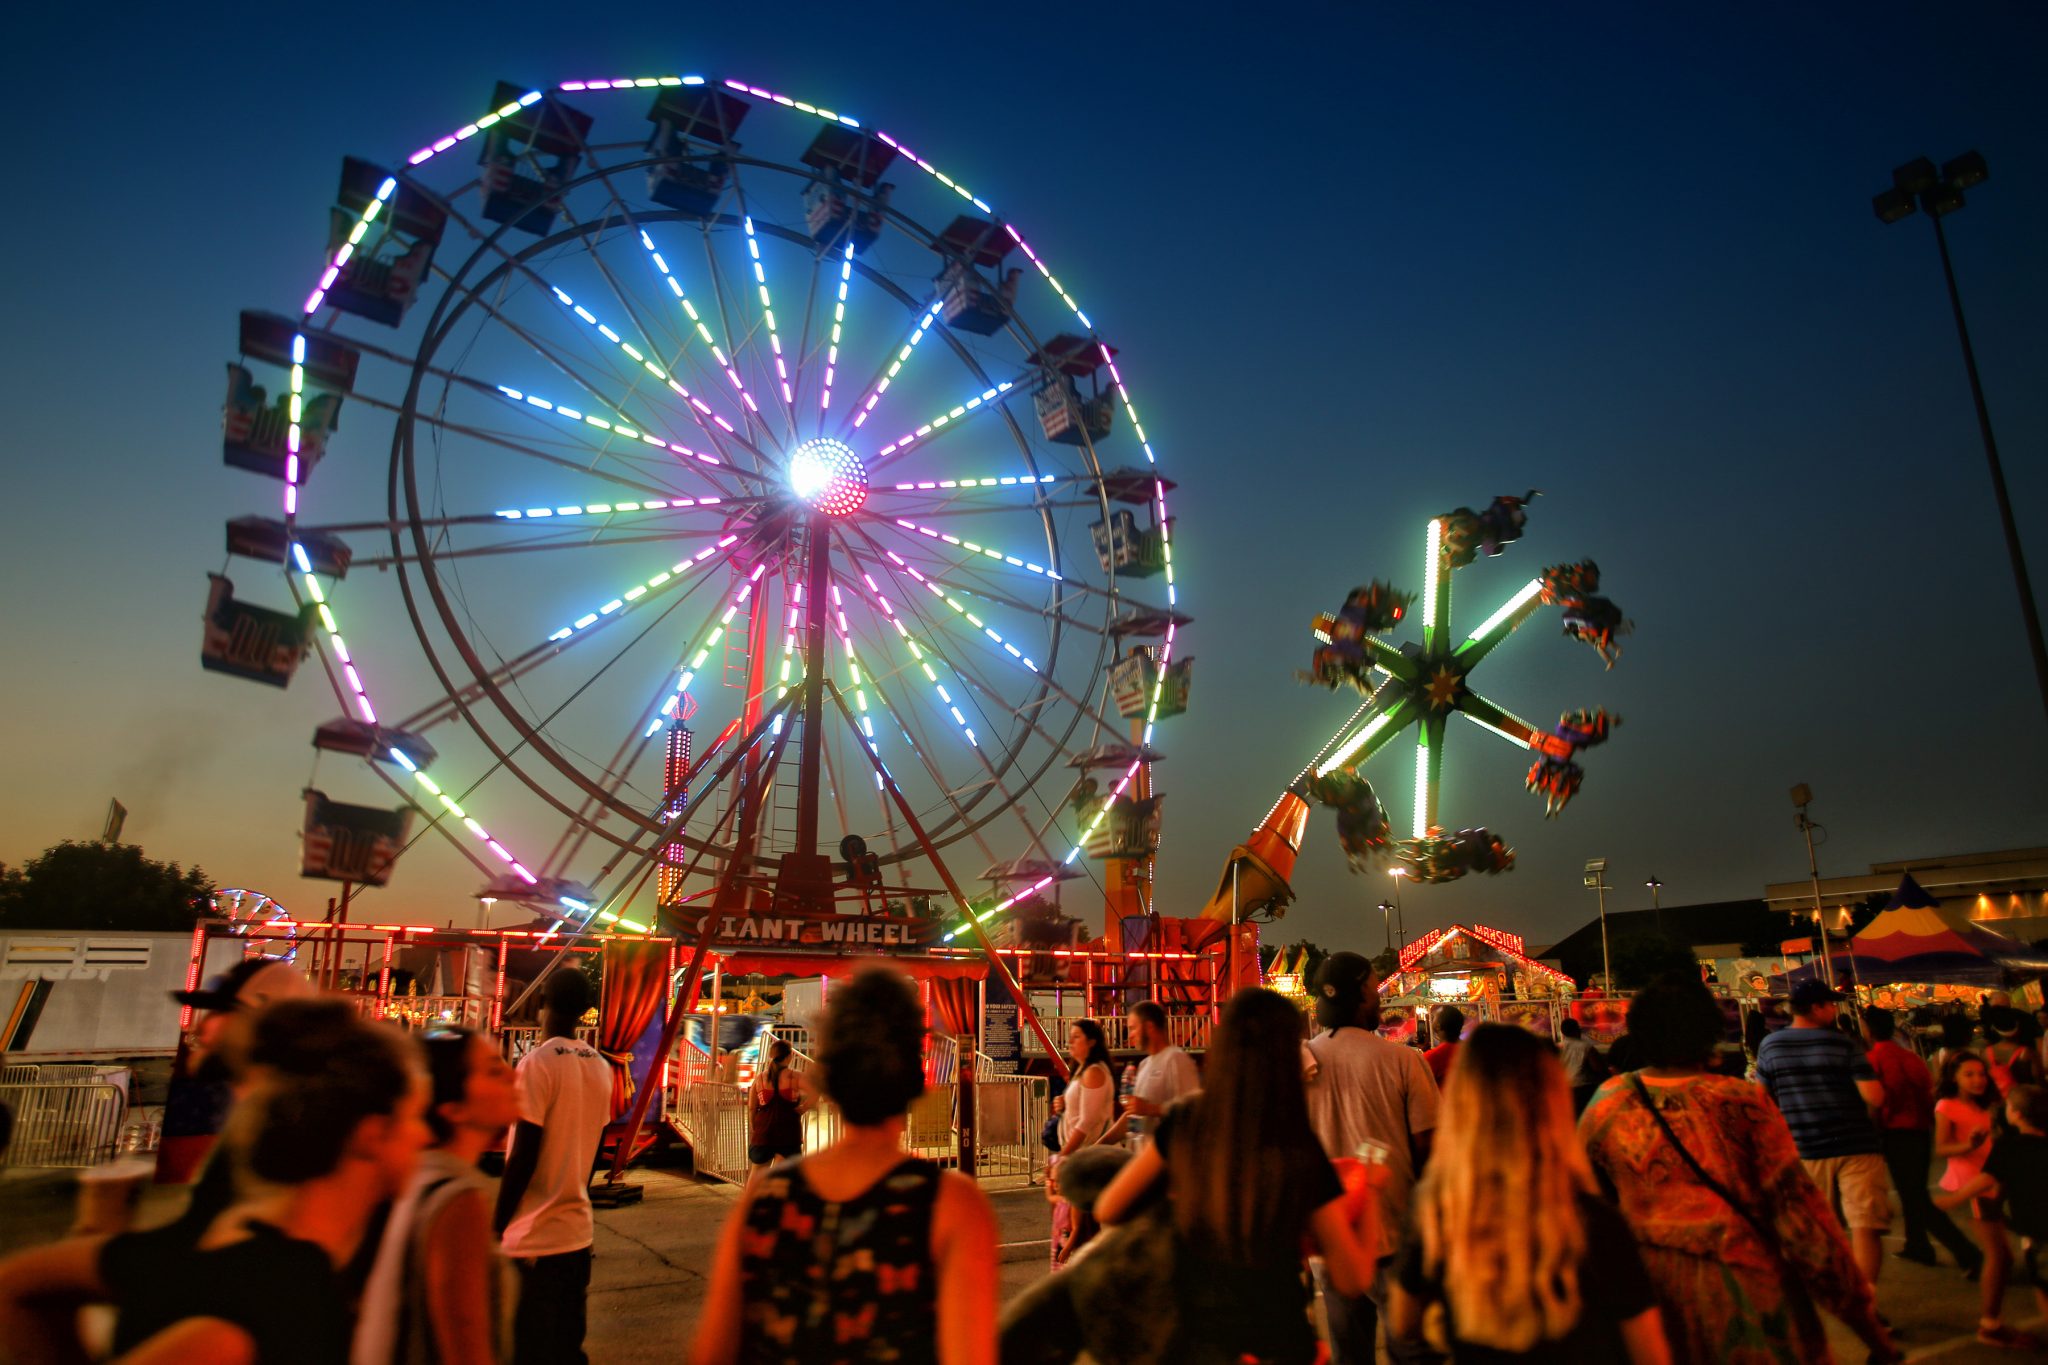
x: 1737, y: 1239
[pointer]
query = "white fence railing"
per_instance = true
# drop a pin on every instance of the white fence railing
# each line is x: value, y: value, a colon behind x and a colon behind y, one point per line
x: 64, y: 1123
x: 1010, y: 1111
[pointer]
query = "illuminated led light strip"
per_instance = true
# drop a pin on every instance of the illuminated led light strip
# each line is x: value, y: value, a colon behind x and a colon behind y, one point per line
x: 631, y: 83
x: 605, y: 509
x: 470, y: 130
x: 922, y: 656
x: 789, y: 103
x: 1007, y: 481
x: 933, y: 171
x: 346, y: 250
x: 1354, y: 744
x: 1115, y: 795
x: 638, y: 591
x: 1421, y: 781
x: 292, y: 430
x: 940, y: 592
x: 590, y: 912
x: 924, y: 324
x: 589, y: 319
x: 327, y: 622
x: 469, y: 822
x: 689, y: 671
x: 997, y: 909
x: 983, y: 550
x: 767, y: 308
x: 838, y: 325
x: 860, y: 691
x: 910, y: 439
x: 616, y: 425
x: 1432, y: 557
x: 1514, y: 604
x: 796, y: 599
x: 690, y: 310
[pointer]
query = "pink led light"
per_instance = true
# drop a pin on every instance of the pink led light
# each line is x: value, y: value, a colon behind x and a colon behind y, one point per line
x: 944, y: 419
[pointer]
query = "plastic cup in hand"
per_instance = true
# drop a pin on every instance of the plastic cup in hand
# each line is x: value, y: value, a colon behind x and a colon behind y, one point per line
x: 1372, y: 1152
x: 108, y: 1196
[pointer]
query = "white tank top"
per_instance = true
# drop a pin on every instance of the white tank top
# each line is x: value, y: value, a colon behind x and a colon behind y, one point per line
x: 1088, y: 1107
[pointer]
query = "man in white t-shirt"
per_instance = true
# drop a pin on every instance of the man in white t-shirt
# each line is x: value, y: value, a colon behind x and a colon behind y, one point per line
x: 565, y: 1100
x: 1367, y: 1090
x: 1165, y: 1074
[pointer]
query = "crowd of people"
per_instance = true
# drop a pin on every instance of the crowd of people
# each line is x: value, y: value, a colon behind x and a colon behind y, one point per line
x: 1494, y: 1198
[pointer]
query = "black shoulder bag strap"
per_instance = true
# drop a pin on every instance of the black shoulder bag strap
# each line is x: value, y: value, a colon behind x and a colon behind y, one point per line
x: 1699, y: 1171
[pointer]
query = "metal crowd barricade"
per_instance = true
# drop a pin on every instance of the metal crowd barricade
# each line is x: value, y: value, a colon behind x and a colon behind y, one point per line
x: 64, y: 1123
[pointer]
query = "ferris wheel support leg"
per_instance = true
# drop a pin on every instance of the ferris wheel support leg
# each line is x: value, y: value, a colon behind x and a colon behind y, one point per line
x: 995, y: 960
x: 685, y: 1001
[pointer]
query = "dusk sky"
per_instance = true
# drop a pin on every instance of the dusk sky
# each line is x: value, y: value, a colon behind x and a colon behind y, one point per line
x: 1363, y: 264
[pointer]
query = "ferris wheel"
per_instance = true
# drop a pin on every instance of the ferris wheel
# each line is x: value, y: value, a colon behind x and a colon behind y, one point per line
x: 616, y: 416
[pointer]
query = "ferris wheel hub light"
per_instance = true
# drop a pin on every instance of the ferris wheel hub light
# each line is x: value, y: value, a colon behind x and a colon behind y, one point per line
x: 827, y: 474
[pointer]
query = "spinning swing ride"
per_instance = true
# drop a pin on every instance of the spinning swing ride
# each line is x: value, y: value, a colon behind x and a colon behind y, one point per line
x: 690, y: 438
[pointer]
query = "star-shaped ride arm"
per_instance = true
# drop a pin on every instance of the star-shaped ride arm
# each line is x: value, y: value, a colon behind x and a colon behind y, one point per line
x: 1429, y: 770
x: 1436, y: 590
x: 1504, y: 723
x: 1499, y: 626
x: 1393, y: 710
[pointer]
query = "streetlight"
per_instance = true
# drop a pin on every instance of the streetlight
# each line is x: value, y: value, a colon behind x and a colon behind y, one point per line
x: 1386, y: 909
x: 1939, y: 193
x: 1400, y: 920
x: 1596, y: 880
x: 1802, y: 797
x: 1656, y: 904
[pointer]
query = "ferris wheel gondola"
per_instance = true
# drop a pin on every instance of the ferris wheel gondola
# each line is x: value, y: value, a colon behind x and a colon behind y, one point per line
x: 642, y: 427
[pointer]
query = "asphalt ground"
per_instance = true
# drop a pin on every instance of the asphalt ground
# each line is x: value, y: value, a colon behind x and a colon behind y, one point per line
x: 653, y: 1260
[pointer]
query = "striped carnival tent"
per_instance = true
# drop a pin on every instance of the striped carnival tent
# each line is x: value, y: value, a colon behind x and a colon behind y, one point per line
x: 1915, y: 940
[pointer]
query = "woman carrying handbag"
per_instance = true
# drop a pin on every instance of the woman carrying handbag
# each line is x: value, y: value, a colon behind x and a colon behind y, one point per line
x: 1738, y: 1241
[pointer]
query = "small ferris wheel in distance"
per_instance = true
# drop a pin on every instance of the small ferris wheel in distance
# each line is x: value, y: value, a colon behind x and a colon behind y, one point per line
x: 618, y: 422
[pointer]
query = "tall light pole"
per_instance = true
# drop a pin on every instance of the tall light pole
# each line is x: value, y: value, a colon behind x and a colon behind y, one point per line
x: 1400, y: 920
x: 1656, y: 902
x: 1802, y: 797
x: 1939, y: 193
x: 1386, y: 909
x: 1596, y: 880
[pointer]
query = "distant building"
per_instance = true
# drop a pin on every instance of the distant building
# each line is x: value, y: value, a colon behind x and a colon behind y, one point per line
x: 2006, y: 892
x: 1716, y: 932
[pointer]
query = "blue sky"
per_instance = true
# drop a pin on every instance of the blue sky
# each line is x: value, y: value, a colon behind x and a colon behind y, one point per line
x: 1363, y: 263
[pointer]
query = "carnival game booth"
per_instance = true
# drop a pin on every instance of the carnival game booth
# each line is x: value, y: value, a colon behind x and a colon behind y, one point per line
x: 1485, y: 972
x: 1918, y: 952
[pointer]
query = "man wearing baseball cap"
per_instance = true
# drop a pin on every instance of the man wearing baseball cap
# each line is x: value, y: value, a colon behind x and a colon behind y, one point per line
x: 1828, y: 1091
x: 200, y: 1092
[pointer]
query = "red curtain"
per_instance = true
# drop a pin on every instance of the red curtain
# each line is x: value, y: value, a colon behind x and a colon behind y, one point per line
x: 635, y: 981
x: 953, y: 1002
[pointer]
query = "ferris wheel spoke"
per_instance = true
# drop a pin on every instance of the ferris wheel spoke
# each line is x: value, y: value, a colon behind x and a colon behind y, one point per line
x: 1500, y: 625
x: 700, y: 411
x: 767, y: 303
x: 583, y: 462
x: 950, y: 420
x: 942, y: 588
x: 836, y: 334
x: 953, y: 487
x: 980, y: 555
x: 886, y: 374
x: 718, y: 352
x: 571, y: 511
x: 921, y: 746
x: 577, y: 540
x: 992, y: 641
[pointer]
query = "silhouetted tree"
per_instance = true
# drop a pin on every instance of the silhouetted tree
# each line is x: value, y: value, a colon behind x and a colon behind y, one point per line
x: 101, y: 886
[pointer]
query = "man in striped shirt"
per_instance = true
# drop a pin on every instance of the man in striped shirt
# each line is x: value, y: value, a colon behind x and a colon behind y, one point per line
x: 1828, y: 1091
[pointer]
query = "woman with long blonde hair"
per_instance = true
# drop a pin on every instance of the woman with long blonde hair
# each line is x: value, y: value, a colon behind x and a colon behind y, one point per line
x: 1513, y: 1252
